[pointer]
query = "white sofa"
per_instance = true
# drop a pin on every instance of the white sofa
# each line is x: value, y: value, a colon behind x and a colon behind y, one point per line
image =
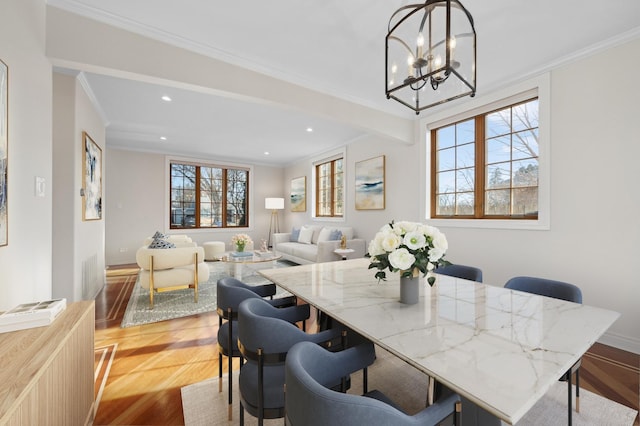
x: 319, y: 248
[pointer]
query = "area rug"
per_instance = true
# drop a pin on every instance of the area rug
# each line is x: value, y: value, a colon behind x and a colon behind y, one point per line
x: 202, y: 404
x: 180, y: 303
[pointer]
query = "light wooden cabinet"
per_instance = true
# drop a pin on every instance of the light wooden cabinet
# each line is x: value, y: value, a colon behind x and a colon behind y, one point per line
x: 46, y: 373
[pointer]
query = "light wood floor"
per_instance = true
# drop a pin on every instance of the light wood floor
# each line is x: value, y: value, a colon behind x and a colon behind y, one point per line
x: 140, y: 370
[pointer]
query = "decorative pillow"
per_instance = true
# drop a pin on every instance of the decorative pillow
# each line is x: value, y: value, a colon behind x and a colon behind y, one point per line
x: 161, y: 244
x: 305, y: 235
x: 159, y: 236
x: 324, y: 234
x: 336, y: 234
x: 295, y: 234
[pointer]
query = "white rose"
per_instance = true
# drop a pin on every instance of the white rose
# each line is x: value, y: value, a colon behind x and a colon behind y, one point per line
x: 401, y: 259
x: 390, y: 242
x: 435, y: 254
x: 414, y: 240
x: 403, y: 227
x: 440, y: 242
x: 375, y: 248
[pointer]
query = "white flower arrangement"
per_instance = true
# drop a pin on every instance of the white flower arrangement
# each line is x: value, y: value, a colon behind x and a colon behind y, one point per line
x: 408, y: 247
x: 241, y: 240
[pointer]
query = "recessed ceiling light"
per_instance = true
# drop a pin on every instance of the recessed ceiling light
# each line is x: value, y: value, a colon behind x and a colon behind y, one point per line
x: 266, y: 153
x: 166, y: 98
x: 309, y: 129
x: 163, y: 138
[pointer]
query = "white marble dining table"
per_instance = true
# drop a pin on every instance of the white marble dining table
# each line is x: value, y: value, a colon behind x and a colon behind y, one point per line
x: 499, y: 348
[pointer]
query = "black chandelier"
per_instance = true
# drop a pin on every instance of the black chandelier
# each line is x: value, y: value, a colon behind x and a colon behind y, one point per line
x: 430, y: 54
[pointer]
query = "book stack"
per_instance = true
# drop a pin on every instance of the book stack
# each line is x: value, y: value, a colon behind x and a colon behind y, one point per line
x: 30, y: 315
x: 241, y: 253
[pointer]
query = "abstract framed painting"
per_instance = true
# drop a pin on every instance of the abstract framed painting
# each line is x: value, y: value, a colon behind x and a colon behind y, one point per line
x: 4, y: 157
x: 299, y: 194
x: 370, y: 184
x: 91, y: 179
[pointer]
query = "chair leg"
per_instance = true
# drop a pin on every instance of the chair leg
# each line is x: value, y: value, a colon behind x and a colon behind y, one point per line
x: 241, y: 414
x: 578, y: 390
x: 365, y: 380
x: 219, y: 371
x: 570, y: 399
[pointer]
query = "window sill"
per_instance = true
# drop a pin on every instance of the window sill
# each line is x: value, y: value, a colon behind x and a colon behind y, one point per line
x: 525, y: 225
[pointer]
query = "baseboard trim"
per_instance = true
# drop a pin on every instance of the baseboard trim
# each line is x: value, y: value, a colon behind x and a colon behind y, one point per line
x: 626, y: 343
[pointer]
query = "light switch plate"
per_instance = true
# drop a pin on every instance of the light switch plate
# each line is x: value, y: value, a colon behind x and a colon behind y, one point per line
x: 39, y: 186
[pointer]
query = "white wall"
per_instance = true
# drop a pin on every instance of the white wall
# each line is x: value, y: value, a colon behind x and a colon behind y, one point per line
x: 594, y: 234
x: 137, y: 204
x: 78, y: 245
x: 25, y: 263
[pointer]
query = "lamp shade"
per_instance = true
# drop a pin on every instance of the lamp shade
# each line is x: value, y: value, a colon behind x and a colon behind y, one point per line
x: 274, y: 203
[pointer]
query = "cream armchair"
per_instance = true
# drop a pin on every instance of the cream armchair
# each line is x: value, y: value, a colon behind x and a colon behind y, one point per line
x: 171, y: 269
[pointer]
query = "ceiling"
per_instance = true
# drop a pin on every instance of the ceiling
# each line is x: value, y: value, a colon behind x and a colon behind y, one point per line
x: 335, y: 47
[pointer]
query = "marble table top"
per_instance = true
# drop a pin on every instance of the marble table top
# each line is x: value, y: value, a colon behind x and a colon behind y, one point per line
x: 501, y: 349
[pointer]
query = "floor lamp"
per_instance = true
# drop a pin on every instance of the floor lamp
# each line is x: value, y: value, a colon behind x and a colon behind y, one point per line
x: 273, y: 204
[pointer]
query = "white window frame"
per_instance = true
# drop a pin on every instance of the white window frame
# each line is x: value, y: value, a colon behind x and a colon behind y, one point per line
x: 539, y: 86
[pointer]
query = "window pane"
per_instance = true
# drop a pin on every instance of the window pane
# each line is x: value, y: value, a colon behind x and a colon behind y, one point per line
x: 446, y: 159
x: 446, y: 137
x: 525, y: 116
x: 525, y: 201
x: 498, y: 149
x: 498, y: 176
x: 465, y: 156
x: 465, y: 180
x: 183, y: 195
x: 445, y: 204
x: 497, y: 203
x: 525, y: 173
x: 525, y: 144
x: 446, y: 182
x: 498, y: 123
x: 465, y: 132
x: 237, y: 197
x: 465, y: 204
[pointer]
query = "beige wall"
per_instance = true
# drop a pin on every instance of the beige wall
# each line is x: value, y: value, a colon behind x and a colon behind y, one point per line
x: 137, y: 203
x: 25, y: 263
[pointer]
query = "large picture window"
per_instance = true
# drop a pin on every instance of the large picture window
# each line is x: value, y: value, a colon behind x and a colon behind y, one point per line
x: 204, y: 196
x: 486, y: 166
x: 329, y: 188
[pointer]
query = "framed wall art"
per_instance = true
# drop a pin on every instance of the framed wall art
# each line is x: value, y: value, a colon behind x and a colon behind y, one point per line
x: 299, y: 194
x: 370, y: 184
x: 4, y: 158
x: 91, y: 179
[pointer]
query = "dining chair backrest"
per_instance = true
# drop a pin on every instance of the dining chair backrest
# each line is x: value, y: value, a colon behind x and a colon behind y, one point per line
x: 230, y: 292
x: 309, y: 401
x: 470, y: 273
x: 545, y: 287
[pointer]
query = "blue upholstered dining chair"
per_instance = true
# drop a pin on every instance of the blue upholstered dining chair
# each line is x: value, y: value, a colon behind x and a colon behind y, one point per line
x: 265, y: 335
x: 470, y: 273
x: 557, y: 290
x: 309, y: 371
x: 230, y: 292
